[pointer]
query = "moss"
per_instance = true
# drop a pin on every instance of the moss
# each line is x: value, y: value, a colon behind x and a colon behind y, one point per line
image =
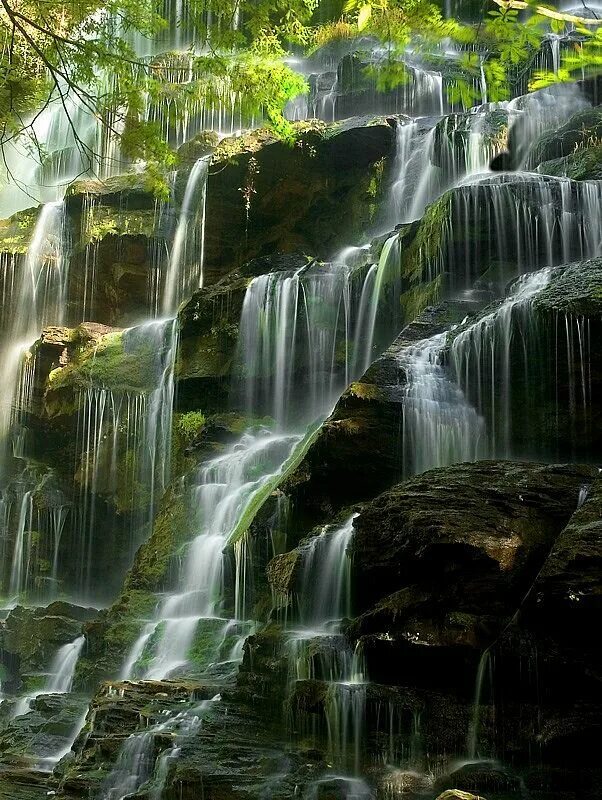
x: 422, y: 256
x: 16, y: 231
x: 190, y: 425
x: 101, y: 221
x: 415, y: 300
x: 106, y: 364
x: 575, y: 290
x: 173, y: 527
x: 584, y: 164
x: 365, y: 391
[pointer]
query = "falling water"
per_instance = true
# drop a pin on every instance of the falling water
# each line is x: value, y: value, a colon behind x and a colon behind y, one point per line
x: 225, y: 488
x: 185, y: 268
x: 293, y: 322
x: 60, y: 677
x: 327, y: 569
x: 518, y: 222
x: 319, y: 651
x: 481, y: 357
x: 484, y: 670
x: 123, y: 445
x: 439, y: 426
x: 39, y: 300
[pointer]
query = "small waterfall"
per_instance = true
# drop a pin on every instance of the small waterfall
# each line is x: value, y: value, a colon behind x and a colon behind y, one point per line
x: 439, y: 427
x: 327, y: 569
x: 138, y: 761
x: 386, y: 276
x: 518, y: 222
x: 319, y: 651
x: 39, y: 299
x: 186, y: 260
x: 134, y: 767
x: 60, y: 676
x: 481, y: 357
x: 484, y: 672
x: 63, y: 667
x: 18, y: 572
x: 124, y: 446
x: 294, y: 321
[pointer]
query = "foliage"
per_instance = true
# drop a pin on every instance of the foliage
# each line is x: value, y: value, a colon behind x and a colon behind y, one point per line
x: 190, y: 425
x: 86, y: 58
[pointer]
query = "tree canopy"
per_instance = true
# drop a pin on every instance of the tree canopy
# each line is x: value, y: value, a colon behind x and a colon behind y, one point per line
x: 112, y: 59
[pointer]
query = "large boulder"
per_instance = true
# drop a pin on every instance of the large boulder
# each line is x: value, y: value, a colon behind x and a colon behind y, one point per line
x: 442, y: 561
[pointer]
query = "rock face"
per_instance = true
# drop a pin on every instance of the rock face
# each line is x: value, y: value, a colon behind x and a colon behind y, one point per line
x: 308, y: 197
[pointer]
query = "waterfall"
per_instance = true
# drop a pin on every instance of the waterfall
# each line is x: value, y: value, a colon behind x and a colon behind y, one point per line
x: 293, y: 321
x: 439, y: 427
x: 319, y: 651
x: 481, y: 357
x: 137, y: 761
x: 18, y: 579
x: 224, y: 490
x: 387, y: 273
x: 518, y: 222
x: 327, y: 569
x: 39, y: 299
x: 134, y: 767
x: 484, y: 671
x: 124, y: 446
x: 185, y: 268
x: 60, y: 677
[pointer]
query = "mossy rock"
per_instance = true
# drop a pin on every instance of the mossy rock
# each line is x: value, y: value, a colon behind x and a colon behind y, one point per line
x: 582, y: 131
x: 16, y: 231
x: 112, y: 361
x: 583, y: 164
x: 134, y: 189
x: 575, y: 289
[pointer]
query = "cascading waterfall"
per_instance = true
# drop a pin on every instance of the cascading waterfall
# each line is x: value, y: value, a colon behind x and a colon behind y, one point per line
x: 292, y: 321
x: 518, y: 222
x: 138, y: 762
x: 498, y: 360
x: 318, y: 650
x: 225, y: 488
x: 39, y: 301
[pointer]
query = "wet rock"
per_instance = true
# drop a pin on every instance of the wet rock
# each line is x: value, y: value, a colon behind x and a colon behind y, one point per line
x: 464, y: 543
x: 551, y: 367
x: 481, y: 777
x: 208, y: 333
x: 582, y: 131
x: 456, y: 794
x: 30, y: 637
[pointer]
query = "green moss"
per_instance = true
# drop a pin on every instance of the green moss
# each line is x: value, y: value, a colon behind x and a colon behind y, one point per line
x: 415, y: 300
x: 425, y: 249
x: 106, y: 364
x: 101, y: 221
x: 190, y: 425
x: 260, y: 497
x: 16, y: 231
x: 584, y: 164
x: 173, y: 527
x: 365, y: 391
